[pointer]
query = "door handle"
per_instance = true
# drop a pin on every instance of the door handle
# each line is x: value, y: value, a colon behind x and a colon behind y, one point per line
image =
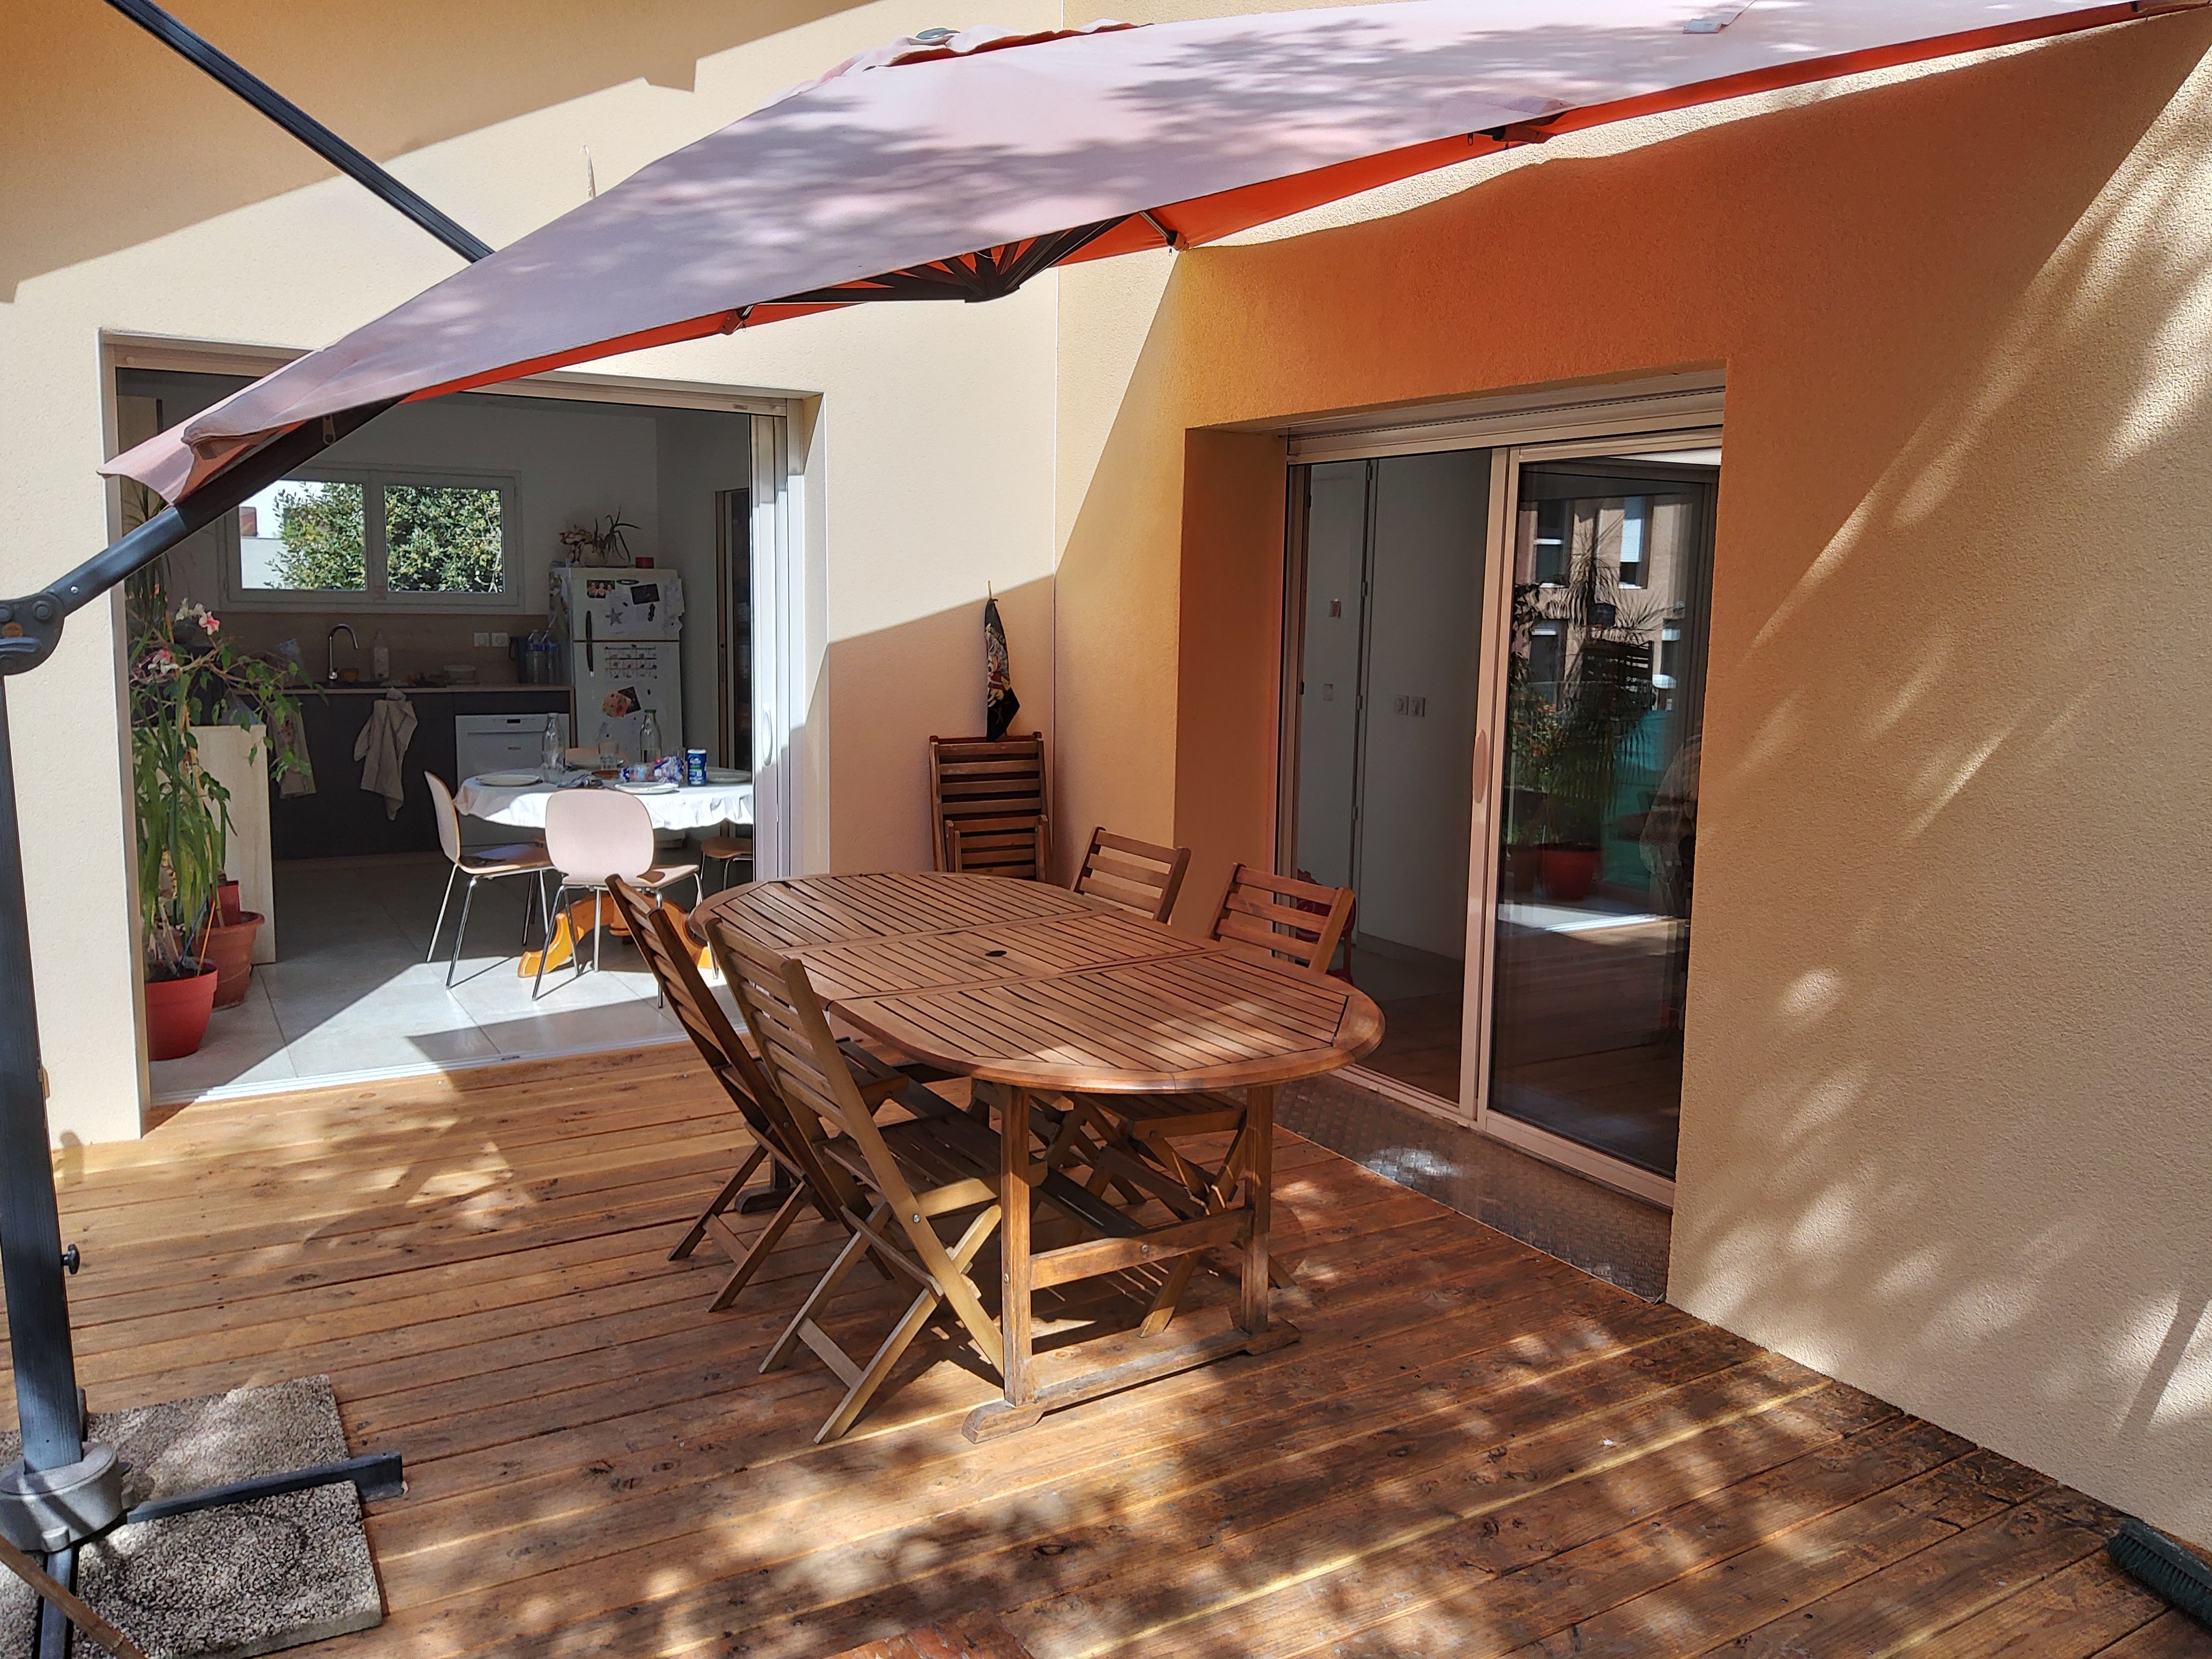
x: 1482, y: 767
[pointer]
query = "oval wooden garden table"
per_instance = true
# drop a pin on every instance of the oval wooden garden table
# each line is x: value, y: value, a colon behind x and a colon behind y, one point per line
x: 1037, y: 989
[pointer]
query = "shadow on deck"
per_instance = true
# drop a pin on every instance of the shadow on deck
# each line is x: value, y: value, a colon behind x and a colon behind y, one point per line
x: 1476, y: 1448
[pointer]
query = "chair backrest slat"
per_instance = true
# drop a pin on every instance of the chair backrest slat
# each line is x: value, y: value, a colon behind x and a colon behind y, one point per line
x: 995, y: 790
x: 1134, y: 874
x: 1300, y: 921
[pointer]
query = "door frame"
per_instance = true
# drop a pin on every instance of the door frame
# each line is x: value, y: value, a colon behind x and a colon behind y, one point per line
x: 1684, y: 415
x: 1477, y: 1015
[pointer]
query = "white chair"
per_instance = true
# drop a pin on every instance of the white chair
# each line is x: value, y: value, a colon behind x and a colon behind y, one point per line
x: 594, y: 835
x: 479, y: 864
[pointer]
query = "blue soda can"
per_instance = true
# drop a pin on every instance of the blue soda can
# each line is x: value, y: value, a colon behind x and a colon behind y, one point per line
x: 694, y: 766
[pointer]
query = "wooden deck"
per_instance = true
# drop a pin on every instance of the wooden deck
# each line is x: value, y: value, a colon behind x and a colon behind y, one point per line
x: 1475, y: 1450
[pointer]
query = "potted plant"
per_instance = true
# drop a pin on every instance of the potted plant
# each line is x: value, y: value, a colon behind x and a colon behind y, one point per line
x: 183, y: 672
x: 1567, y: 749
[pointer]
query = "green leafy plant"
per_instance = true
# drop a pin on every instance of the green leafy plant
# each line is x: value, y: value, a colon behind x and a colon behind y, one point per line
x: 1566, y: 753
x: 184, y: 673
x: 324, y: 528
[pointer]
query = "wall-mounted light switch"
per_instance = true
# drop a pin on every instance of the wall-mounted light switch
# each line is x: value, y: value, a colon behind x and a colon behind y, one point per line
x: 483, y: 639
x: 498, y: 639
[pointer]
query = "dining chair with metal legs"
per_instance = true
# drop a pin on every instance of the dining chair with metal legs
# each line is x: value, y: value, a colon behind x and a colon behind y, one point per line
x: 593, y: 836
x: 479, y: 864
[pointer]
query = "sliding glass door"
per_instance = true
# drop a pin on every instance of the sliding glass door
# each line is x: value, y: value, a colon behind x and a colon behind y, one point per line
x: 1386, y: 705
x: 1492, y: 734
x: 1595, y: 836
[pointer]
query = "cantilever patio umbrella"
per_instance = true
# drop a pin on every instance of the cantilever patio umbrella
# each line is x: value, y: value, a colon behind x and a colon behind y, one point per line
x: 957, y: 168
x: 946, y: 167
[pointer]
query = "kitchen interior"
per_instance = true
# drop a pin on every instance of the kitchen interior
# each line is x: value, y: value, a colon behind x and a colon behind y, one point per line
x: 480, y: 584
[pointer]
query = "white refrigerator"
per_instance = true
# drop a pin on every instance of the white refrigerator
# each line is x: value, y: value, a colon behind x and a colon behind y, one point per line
x: 624, y: 629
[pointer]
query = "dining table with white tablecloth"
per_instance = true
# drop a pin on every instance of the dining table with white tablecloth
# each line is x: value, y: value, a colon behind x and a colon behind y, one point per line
x: 685, y: 806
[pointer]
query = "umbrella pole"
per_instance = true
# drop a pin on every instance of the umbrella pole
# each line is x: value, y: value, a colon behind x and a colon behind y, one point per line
x: 31, y: 1241
x: 63, y: 1492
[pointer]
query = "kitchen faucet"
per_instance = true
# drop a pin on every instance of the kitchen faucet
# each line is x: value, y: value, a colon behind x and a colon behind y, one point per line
x: 330, y: 648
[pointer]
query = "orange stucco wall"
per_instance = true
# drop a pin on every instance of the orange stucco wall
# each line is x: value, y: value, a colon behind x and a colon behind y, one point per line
x: 1947, y: 1131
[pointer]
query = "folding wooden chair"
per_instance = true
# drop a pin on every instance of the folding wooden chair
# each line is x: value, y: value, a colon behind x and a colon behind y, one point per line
x: 902, y: 1181
x: 1129, y: 1141
x: 801, y: 1179
x: 938, y: 1168
x: 987, y: 808
x: 1134, y: 875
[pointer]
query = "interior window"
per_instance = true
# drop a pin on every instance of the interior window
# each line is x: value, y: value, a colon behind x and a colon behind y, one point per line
x: 444, y: 538
x: 305, y: 535
x: 383, y: 537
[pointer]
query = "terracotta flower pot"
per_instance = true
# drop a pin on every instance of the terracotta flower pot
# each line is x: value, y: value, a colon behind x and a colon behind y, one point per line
x: 230, y: 948
x: 1570, y: 873
x: 177, y: 1012
x: 227, y: 901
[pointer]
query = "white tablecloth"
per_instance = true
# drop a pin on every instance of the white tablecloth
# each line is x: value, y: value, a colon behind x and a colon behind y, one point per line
x: 679, y: 808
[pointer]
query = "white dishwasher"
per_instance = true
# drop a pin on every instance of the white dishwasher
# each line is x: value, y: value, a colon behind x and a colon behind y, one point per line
x: 501, y: 743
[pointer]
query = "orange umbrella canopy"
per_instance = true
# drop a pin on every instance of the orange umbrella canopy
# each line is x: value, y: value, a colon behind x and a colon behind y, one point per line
x: 959, y: 166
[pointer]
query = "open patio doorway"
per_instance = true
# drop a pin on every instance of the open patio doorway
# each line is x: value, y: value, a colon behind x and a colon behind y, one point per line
x: 1492, y: 719
x: 466, y: 644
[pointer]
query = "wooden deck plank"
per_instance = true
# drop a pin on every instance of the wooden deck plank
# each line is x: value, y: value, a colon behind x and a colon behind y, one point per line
x: 597, y: 1465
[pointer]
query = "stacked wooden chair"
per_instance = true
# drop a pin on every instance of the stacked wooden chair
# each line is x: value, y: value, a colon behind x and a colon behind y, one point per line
x: 987, y: 806
x: 798, y: 1178
x: 1137, y: 1144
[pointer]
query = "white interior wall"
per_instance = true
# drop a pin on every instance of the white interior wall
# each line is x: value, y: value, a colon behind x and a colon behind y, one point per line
x: 1328, y: 706
x: 697, y: 453
x: 1425, y: 629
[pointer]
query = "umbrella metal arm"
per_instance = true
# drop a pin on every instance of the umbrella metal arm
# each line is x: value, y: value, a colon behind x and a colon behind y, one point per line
x: 49, y: 1408
x: 204, y: 54
x: 991, y: 273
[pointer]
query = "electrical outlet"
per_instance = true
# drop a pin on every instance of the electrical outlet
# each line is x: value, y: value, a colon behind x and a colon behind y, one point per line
x: 483, y: 639
x: 498, y: 639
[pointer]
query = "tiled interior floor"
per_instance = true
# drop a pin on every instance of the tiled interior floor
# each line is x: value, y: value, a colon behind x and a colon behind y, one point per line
x: 351, y: 994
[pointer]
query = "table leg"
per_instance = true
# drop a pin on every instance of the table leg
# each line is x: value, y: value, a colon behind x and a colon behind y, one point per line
x: 1259, y: 1199
x: 1014, y: 1244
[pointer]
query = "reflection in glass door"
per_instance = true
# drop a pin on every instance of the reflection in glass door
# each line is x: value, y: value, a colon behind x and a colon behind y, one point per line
x: 1596, y: 829
x: 1389, y: 604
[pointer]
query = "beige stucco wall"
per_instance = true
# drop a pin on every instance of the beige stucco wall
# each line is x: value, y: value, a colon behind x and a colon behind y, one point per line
x: 141, y: 199
x: 1946, y: 1129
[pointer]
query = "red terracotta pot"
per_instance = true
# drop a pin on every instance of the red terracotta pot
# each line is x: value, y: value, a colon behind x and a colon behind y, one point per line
x: 227, y: 903
x: 1570, y: 873
x: 230, y: 947
x: 176, y: 1012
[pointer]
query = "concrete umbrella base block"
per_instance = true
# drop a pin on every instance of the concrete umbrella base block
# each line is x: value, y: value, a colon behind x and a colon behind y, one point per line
x: 224, y: 1583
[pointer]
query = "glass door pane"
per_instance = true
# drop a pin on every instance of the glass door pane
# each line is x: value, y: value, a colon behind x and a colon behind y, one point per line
x: 1387, y: 703
x: 1604, y: 706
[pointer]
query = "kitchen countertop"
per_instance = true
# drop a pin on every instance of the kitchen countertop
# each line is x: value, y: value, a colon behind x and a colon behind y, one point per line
x: 357, y: 689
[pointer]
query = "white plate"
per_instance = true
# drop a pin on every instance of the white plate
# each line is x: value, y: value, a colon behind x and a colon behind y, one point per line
x: 509, y: 780
x: 656, y: 787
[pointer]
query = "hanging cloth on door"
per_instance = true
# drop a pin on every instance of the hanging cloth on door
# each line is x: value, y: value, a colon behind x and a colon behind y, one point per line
x: 1000, y: 705
x: 383, y: 746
